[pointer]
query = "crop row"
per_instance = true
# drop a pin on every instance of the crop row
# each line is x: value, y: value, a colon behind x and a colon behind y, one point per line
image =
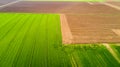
x: 34, y: 40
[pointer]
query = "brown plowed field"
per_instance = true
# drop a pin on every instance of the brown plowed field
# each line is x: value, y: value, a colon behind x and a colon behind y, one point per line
x: 94, y: 28
x: 3, y: 2
x: 88, y: 9
x: 115, y: 3
x: 37, y: 7
x: 59, y: 7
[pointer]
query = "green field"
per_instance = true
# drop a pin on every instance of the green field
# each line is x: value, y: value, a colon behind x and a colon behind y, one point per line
x: 34, y: 40
x: 116, y: 48
x: 91, y: 55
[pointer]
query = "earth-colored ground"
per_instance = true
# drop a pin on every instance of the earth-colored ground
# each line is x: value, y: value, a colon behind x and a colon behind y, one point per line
x: 59, y: 7
x: 66, y: 32
x: 115, y: 3
x: 37, y: 7
x: 94, y: 28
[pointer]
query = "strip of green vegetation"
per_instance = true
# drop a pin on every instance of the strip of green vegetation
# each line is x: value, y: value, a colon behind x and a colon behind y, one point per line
x: 116, y: 48
x: 90, y: 55
x: 34, y: 40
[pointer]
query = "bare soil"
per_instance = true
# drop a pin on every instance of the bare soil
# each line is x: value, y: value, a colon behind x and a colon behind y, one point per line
x: 81, y: 22
x: 59, y: 7
x: 66, y: 32
x: 115, y: 3
x: 94, y: 28
x: 37, y: 7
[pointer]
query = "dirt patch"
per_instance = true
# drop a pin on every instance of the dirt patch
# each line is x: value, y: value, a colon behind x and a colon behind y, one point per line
x: 66, y: 32
x: 113, y: 6
x: 94, y: 28
x: 115, y: 3
x: 117, y: 31
x: 59, y: 7
x: 37, y: 7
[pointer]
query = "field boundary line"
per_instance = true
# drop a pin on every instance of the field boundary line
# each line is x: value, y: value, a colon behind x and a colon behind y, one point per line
x: 113, y: 6
x: 65, y: 29
x: 90, y: 3
x: 117, y: 44
x: 8, y: 4
x: 112, y: 51
x: 74, y: 64
x: 116, y: 31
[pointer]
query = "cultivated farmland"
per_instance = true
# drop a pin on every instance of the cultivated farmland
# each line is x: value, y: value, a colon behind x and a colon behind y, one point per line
x: 81, y: 17
x: 116, y: 48
x: 34, y: 40
x: 91, y: 55
x: 59, y: 34
x: 31, y: 40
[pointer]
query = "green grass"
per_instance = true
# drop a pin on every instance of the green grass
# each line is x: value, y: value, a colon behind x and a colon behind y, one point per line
x: 91, y: 55
x: 116, y: 49
x: 34, y: 40
x: 31, y: 40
